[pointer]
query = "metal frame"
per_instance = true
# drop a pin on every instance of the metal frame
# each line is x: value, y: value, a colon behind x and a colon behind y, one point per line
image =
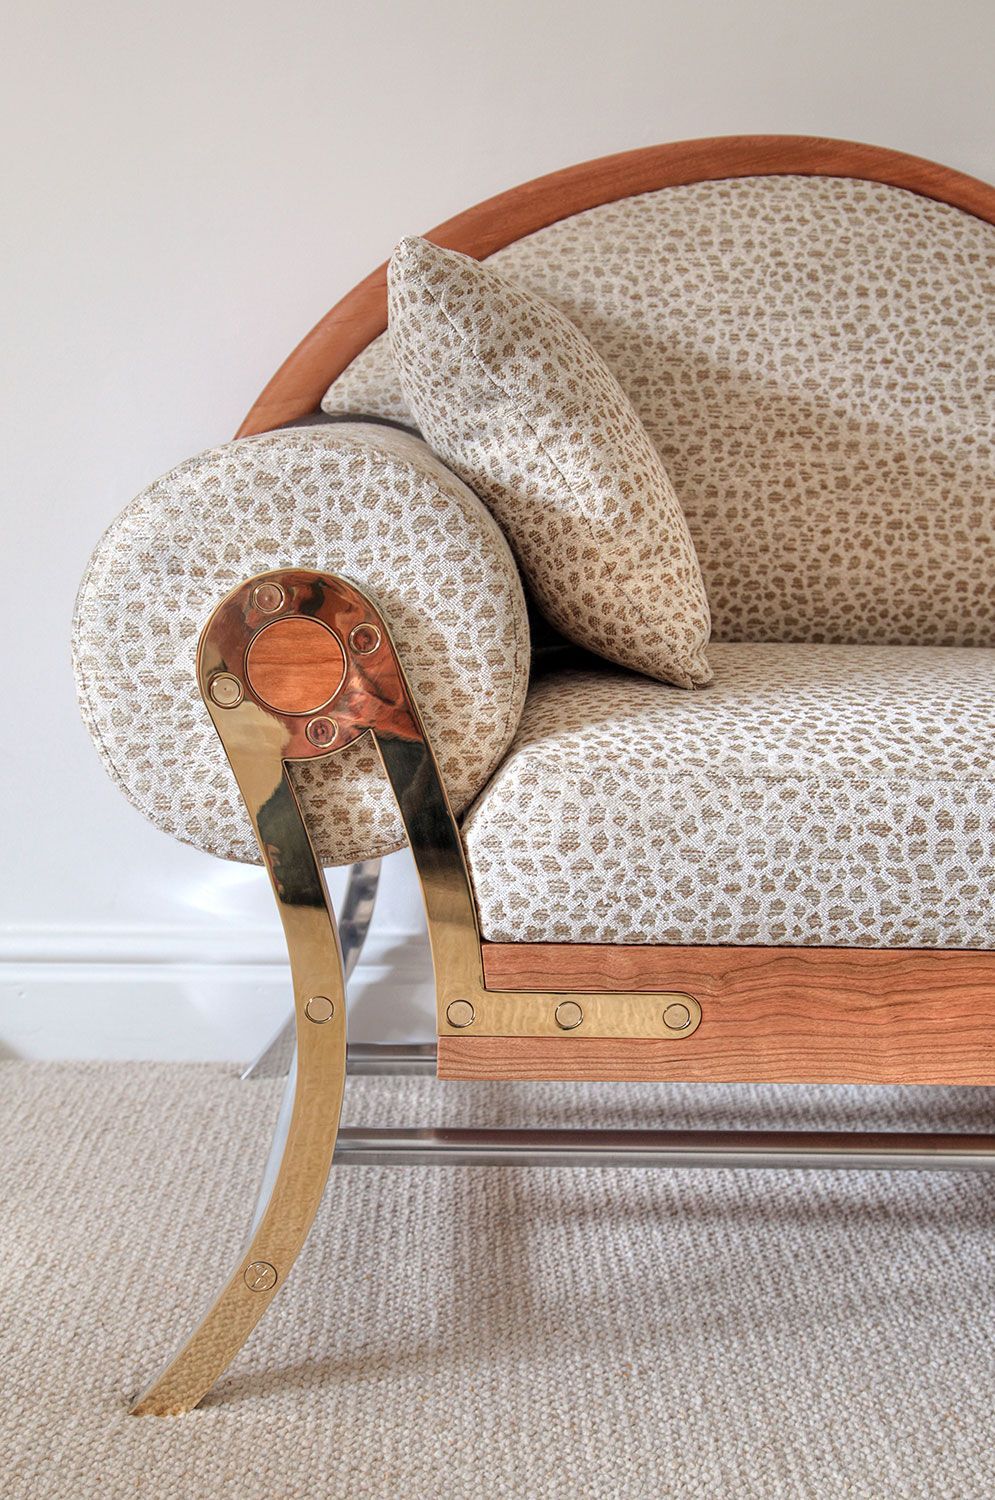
x: 361, y: 1146
x: 277, y: 1057
x: 330, y: 676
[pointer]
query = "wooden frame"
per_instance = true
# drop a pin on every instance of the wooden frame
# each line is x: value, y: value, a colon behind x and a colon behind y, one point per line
x: 769, y: 1015
x: 302, y: 380
x: 801, y: 1015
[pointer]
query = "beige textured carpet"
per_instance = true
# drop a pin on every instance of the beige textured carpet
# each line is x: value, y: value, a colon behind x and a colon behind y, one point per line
x: 490, y: 1332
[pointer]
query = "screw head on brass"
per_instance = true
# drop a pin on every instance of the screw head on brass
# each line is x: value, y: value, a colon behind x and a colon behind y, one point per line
x: 677, y: 1016
x: 260, y: 1276
x: 460, y: 1013
x: 268, y: 598
x: 364, y: 639
x: 568, y: 1015
x: 322, y: 732
x: 226, y: 690
x: 319, y: 1009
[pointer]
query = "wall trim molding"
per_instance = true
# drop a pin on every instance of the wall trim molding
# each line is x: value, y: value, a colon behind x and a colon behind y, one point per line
x: 176, y: 945
x: 187, y: 993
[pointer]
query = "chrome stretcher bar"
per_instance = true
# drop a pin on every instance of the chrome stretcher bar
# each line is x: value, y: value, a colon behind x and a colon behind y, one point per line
x: 359, y: 1145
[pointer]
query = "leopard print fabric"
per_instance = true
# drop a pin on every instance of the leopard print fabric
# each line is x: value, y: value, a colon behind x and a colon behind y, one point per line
x: 813, y: 795
x: 517, y: 402
x: 368, y: 502
x: 814, y: 360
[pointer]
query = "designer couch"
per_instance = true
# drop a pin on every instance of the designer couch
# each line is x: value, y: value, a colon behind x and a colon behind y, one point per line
x: 785, y: 875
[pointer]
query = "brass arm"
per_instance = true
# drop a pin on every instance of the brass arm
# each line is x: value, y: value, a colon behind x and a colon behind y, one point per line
x: 295, y: 665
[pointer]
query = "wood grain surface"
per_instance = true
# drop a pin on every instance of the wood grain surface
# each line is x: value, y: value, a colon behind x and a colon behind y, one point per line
x: 295, y: 665
x: 782, y: 1015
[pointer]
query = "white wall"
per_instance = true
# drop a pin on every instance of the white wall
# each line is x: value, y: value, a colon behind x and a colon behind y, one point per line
x: 190, y: 187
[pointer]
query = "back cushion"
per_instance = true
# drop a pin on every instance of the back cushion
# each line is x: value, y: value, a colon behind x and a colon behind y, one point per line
x: 814, y: 359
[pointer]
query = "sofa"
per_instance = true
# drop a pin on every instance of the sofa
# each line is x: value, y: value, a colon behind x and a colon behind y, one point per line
x: 316, y: 643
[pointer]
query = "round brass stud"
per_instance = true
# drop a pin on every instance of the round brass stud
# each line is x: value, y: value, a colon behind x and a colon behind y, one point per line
x: 226, y: 690
x: 322, y: 732
x: 319, y: 1009
x: 568, y: 1015
x: 460, y: 1013
x: 260, y: 1276
x: 677, y: 1016
x: 364, y: 639
x: 268, y: 598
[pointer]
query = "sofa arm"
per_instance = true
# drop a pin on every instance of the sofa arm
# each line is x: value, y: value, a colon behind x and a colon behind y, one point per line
x: 363, y: 500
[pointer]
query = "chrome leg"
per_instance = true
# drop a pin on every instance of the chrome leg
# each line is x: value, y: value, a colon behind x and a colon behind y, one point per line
x: 278, y: 1145
x: 276, y: 1058
x: 357, y: 911
x: 383, y: 1058
x: 378, y: 1059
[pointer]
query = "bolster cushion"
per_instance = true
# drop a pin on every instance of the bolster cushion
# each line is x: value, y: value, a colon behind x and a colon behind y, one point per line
x: 522, y: 407
x: 360, y: 499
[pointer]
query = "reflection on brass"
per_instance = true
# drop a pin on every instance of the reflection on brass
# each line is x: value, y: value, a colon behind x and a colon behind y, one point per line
x: 289, y: 662
x: 319, y: 1009
x: 364, y: 639
x: 267, y: 598
x: 568, y: 1015
x: 260, y: 1276
x: 460, y: 1013
x: 677, y: 1017
x: 322, y: 732
x: 226, y: 690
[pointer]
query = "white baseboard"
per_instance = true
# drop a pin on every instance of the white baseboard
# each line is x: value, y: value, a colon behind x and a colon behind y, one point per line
x: 187, y: 993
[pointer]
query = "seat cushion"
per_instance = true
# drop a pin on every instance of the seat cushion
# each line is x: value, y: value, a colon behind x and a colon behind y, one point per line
x: 518, y: 403
x: 814, y: 360
x: 838, y: 795
x: 358, y: 499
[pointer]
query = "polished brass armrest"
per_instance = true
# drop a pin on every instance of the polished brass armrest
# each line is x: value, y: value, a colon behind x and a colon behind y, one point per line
x: 300, y: 665
x: 295, y: 665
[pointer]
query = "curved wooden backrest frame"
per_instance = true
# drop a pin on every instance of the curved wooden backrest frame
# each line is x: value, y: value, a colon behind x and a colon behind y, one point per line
x: 298, y: 386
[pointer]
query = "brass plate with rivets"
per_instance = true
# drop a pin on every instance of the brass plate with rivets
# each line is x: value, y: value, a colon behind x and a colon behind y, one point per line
x: 505, y: 1013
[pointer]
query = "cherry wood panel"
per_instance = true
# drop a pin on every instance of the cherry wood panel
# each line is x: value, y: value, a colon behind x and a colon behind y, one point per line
x: 295, y: 665
x: 779, y: 1015
x: 298, y: 386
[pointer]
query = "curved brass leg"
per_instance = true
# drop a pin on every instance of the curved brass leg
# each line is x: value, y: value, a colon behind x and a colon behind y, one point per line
x: 319, y: 1008
x: 294, y: 665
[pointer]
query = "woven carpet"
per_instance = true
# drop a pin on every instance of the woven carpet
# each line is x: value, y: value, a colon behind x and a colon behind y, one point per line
x: 492, y: 1332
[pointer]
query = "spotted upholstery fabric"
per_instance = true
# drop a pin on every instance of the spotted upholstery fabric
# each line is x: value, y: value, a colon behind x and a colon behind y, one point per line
x: 813, y: 795
x: 362, y: 500
x: 517, y: 402
x: 814, y: 360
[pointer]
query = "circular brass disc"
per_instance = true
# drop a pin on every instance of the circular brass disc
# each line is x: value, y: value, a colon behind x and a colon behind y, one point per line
x: 568, y: 1015
x: 295, y: 665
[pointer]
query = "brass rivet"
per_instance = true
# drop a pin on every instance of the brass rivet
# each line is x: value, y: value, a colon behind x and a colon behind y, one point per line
x: 322, y: 732
x: 568, y: 1014
x: 260, y: 1276
x: 460, y: 1013
x: 677, y: 1016
x: 319, y: 1009
x: 268, y: 598
x: 364, y: 638
x: 226, y: 690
